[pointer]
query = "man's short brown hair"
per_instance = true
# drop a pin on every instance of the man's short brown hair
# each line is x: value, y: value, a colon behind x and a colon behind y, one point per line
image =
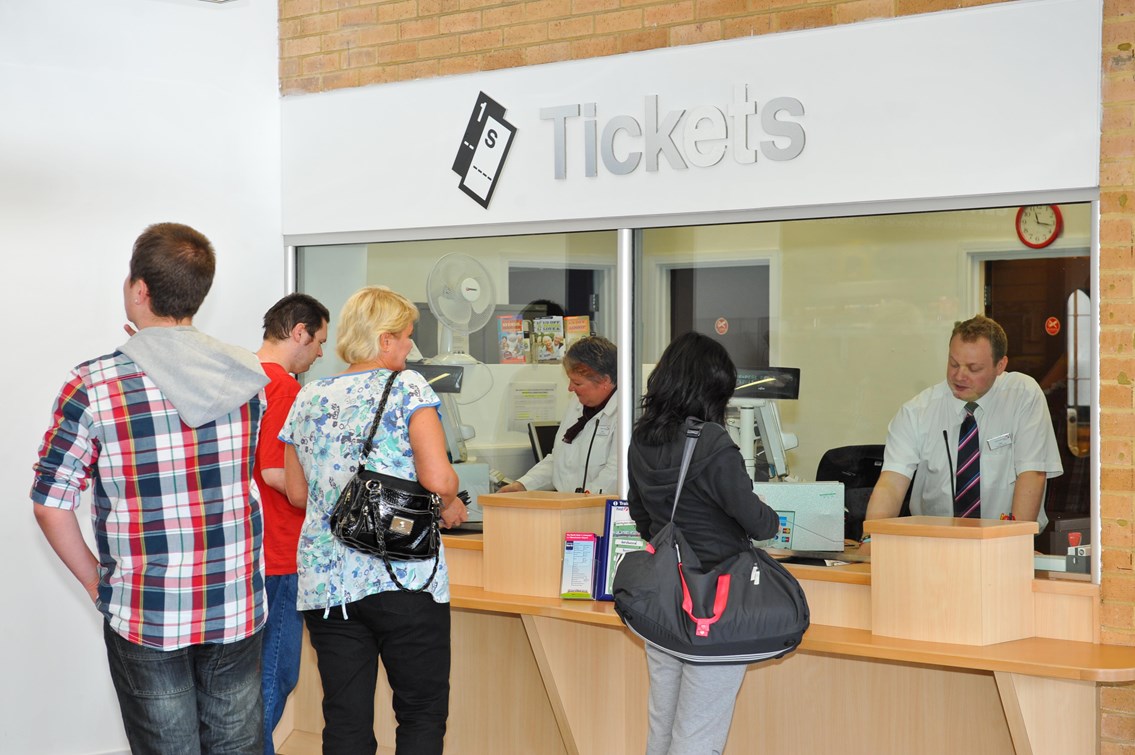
x: 980, y: 326
x: 177, y: 263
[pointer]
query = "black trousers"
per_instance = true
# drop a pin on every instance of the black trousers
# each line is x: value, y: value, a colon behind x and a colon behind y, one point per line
x: 410, y: 632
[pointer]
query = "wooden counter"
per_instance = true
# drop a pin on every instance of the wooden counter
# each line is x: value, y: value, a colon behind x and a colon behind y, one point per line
x: 537, y: 674
x: 528, y: 528
x: 952, y: 580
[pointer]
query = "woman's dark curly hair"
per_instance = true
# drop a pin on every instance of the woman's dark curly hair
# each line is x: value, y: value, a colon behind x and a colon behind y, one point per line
x: 694, y: 378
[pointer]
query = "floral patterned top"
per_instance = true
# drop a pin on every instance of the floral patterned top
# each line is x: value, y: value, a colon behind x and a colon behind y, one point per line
x: 328, y: 425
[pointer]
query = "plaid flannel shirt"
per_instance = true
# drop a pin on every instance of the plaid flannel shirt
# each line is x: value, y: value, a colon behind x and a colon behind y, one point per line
x: 175, y: 510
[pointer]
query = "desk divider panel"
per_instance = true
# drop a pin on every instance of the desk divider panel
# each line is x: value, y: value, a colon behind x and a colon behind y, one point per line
x: 964, y: 581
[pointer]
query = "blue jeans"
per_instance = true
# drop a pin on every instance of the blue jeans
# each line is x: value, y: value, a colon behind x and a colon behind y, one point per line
x: 410, y: 632
x: 283, y: 635
x: 199, y: 699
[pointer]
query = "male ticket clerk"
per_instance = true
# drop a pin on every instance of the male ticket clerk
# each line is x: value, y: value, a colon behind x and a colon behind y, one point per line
x: 979, y: 444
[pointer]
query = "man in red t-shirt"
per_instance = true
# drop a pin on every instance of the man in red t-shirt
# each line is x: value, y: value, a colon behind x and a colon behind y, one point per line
x: 295, y: 329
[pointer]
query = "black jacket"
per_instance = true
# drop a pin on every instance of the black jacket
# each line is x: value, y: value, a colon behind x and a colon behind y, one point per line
x: 718, y: 511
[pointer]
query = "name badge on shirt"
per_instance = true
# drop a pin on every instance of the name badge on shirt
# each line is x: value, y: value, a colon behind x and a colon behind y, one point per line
x: 1000, y: 441
x: 603, y: 430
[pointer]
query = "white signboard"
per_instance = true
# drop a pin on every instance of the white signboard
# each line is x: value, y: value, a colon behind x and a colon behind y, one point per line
x: 1000, y: 99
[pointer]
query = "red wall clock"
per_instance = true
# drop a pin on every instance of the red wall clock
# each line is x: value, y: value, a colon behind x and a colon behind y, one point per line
x: 1038, y: 225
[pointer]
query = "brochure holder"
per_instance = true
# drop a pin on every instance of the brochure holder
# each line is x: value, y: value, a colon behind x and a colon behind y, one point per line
x: 619, y: 537
x: 578, y: 576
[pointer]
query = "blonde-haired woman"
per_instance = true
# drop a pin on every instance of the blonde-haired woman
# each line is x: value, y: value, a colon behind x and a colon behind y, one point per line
x: 353, y: 610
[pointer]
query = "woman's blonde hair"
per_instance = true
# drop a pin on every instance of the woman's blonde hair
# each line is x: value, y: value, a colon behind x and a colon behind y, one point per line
x: 370, y: 312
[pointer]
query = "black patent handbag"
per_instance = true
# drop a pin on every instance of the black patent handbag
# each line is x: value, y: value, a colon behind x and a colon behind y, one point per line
x: 385, y: 516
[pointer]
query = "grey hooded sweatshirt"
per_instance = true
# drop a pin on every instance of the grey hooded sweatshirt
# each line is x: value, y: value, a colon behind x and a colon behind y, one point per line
x: 202, y: 377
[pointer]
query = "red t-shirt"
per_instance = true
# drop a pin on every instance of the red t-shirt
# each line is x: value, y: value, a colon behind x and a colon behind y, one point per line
x: 282, y: 520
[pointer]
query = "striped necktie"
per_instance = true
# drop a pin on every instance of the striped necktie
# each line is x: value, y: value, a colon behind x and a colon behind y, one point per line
x: 967, y: 500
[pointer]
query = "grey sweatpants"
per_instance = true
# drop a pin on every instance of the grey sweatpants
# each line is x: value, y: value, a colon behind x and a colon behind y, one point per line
x: 690, y: 706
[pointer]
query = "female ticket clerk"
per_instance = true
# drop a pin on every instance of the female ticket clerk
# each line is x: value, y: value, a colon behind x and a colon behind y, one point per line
x: 584, y: 458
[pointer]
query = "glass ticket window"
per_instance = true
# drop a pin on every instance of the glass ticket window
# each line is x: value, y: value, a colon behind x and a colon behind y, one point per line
x: 500, y: 311
x: 860, y: 309
x: 863, y: 307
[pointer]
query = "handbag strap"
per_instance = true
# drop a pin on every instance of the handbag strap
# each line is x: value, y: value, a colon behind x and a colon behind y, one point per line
x: 377, y: 418
x: 433, y: 519
x: 394, y: 577
x: 693, y: 432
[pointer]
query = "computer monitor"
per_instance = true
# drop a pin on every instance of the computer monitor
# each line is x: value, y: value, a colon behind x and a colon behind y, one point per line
x: 443, y: 378
x: 811, y: 514
x: 446, y: 381
x: 754, y: 400
x: 773, y: 439
x: 542, y: 435
x: 767, y: 382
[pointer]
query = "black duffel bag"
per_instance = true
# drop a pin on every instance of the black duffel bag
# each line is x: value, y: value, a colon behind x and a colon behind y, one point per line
x: 748, y: 608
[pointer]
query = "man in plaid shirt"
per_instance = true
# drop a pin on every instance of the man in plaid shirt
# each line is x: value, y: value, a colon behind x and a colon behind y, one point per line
x: 165, y: 427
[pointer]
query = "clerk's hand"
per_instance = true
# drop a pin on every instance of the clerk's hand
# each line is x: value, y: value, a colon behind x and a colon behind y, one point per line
x: 454, y: 513
x: 513, y: 487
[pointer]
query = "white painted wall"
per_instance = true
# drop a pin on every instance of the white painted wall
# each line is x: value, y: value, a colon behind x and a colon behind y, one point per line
x: 116, y: 114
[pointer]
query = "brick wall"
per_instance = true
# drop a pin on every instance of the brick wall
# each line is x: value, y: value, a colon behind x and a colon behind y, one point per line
x: 1117, y: 361
x: 335, y: 44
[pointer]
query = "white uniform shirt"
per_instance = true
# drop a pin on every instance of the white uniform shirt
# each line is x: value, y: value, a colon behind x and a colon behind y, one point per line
x: 1014, y: 429
x: 564, y: 468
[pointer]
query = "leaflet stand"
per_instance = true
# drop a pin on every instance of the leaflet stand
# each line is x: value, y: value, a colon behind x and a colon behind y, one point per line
x: 524, y: 538
x: 619, y: 537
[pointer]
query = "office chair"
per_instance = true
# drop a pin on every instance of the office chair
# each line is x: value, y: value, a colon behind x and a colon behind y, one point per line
x: 858, y: 468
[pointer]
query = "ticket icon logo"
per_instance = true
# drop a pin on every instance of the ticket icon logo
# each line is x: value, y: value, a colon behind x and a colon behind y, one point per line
x: 480, y: 159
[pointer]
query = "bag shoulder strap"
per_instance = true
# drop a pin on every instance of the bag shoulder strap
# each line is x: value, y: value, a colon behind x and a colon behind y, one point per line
x: 378, y: 417
x: 693, y: 432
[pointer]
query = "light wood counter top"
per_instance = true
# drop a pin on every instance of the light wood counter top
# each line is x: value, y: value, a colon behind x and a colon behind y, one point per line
x: 853, y: 574
x: 473, y: 541
x: 597, y: 612
x: 1035, y: 656
x: 945, y: 527
x: 542, y: 499
x: 848, y: 574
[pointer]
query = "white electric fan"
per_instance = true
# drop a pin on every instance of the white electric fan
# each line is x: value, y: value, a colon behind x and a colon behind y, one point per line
x: 461, y: 297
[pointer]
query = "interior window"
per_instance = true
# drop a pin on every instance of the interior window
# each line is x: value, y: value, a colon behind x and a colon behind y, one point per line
x: 861, y: 307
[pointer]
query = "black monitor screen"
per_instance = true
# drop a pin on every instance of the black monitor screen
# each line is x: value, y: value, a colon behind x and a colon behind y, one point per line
x: 443, y: 378
x: 768, y: 382
x: 542, y: 435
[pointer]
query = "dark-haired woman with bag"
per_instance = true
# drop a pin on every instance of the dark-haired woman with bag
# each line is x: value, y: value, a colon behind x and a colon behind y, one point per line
x: 690, y: 707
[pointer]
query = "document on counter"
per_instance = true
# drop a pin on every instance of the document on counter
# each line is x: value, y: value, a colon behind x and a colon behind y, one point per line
x: 578, y: 576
